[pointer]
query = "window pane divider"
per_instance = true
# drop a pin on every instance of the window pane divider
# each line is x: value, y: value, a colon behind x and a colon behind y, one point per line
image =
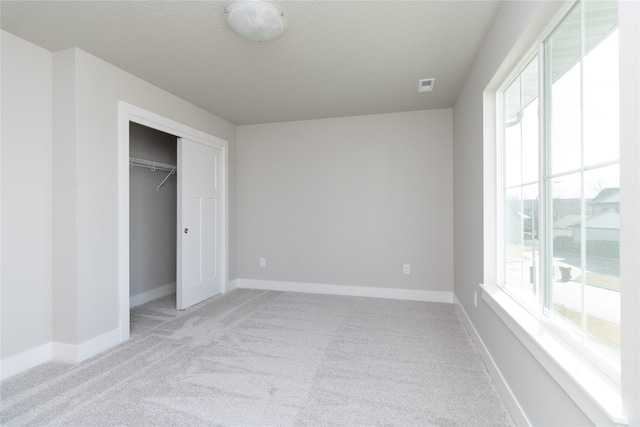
x: 583, y: 169
x: 524, y: 184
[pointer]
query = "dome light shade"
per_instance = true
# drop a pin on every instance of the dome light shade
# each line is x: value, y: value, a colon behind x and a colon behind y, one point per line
x: 256, y: 20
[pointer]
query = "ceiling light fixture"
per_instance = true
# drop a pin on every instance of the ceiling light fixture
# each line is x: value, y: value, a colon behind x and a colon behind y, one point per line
x: 256, y: 20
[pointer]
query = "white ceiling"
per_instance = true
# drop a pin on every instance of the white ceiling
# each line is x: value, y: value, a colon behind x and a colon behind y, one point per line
x: 337, y: 58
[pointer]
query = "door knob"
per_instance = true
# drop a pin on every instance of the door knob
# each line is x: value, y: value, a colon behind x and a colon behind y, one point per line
x: 186, y: 231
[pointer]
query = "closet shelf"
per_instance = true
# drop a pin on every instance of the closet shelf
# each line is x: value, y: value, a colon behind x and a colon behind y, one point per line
x: 154, y: 166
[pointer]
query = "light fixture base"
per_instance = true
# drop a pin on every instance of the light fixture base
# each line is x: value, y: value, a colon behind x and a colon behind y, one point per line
x: 256, y: 20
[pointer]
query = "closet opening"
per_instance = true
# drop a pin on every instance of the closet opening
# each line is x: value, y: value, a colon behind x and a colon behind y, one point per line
x: 152, y: 224
x: 184, y: 260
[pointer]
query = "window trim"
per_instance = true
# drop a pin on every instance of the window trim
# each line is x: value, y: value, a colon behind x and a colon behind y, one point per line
x: 593, y: 391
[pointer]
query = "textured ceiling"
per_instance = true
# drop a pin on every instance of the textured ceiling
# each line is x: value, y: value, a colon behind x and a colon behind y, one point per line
x: 337, y: 58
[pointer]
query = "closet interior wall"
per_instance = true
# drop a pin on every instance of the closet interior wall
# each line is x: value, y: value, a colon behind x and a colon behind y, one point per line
x: 152, y: 216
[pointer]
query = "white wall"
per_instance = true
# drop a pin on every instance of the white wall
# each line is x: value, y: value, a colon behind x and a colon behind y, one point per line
x: 64, y: 319
x: 93, y: 118
x: 348, y: 201
x: 629, y: 16
x: 26, y: 196
x: 60, y: 196
x: 152, y: 212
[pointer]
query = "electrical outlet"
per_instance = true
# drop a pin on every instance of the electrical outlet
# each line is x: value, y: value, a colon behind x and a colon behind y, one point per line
x: 406, y: 269
x: 475, y: 299
x: 263, y: 262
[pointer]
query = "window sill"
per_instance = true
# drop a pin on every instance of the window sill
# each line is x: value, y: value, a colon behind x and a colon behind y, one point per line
x: 593, y: 392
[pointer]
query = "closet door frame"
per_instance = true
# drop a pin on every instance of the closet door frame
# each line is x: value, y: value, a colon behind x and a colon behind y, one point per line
x: 131, y: 113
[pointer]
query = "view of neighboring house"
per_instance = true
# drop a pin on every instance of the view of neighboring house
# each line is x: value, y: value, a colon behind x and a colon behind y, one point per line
x: 563, y: 230
x: 602, y: 230
x: 602, y: 226
x: 606, y: 200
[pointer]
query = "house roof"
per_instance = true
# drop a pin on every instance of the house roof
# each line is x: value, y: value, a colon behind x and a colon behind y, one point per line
x: 567, y: 221
x: 606, y: 196
x: 608, y: 220
x: 336, y: 58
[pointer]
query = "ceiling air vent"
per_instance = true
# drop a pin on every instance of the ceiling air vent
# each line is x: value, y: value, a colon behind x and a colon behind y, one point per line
x: 426, y: 85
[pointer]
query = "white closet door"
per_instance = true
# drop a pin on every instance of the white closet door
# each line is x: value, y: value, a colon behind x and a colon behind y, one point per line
x: 199, y: 223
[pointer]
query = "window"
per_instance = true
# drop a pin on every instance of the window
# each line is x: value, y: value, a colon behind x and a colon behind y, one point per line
x: 521, y: 185
x: 560, y: 180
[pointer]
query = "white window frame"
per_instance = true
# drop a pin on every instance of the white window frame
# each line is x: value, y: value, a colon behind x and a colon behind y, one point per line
x: 572, y: 336
x: 603, y: 399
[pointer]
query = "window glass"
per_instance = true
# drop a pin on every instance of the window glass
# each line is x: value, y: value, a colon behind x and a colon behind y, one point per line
x: 530, y: 123
x: 521, y: 191
x: 565, y: 289
x: 563, y: 50
x: 600, y: 85
x: 583, y: 283
x: 522, y: 258
x: 602, y: 255
x: 513, y: 135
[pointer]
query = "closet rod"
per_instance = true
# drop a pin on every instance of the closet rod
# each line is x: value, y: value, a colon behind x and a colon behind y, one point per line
x: 133, y: 161
x: 154, y: 166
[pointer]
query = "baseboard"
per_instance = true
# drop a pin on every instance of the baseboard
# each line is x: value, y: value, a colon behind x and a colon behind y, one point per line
x: 153, y: 294
x: 71, y: 353
x: 25, y: 360
x: 510, y: 400
x: 358, y: 291
x: 61, y: 352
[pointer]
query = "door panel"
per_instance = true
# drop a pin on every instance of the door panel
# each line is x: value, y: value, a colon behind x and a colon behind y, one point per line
x: 210, y: 238
x: 199, y: 246
x: 191, y: 261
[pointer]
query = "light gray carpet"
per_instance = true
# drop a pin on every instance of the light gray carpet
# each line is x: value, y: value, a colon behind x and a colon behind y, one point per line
x: 270, y: 358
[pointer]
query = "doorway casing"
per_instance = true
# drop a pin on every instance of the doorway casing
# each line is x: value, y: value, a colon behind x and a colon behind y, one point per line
x: 130, y: 113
